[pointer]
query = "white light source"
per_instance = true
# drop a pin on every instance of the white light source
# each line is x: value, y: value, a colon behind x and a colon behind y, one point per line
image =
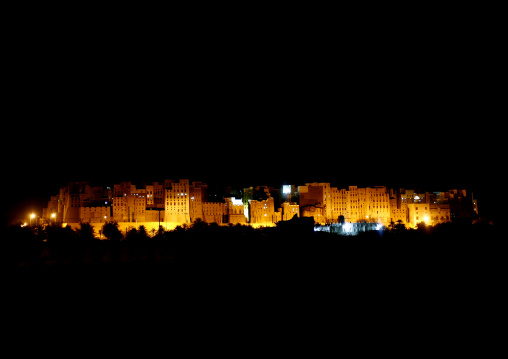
x: 236, y: 201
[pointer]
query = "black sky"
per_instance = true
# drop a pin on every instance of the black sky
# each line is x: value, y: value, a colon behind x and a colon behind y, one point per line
x: 352, y: 105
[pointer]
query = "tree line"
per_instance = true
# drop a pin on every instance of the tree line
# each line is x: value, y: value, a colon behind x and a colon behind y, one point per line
x: 291, y: 241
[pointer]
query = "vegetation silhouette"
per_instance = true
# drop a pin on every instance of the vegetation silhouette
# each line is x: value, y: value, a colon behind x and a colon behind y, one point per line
x: 111, y: 231
x: 290, y: 251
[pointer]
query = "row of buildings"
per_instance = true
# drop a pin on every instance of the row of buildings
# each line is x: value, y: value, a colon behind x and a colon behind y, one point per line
x: 179, y: 202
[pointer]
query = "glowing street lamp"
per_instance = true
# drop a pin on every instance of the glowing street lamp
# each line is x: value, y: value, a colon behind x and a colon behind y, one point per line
x: 53, y: 215
x: 31, y: 216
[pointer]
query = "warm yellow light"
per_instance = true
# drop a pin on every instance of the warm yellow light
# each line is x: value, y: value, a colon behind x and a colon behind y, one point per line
x: 32, y: 215
x: 426, y: 219
x: 53, y: 215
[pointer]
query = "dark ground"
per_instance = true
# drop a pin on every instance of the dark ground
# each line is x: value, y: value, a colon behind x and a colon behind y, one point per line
x: 404, y: 292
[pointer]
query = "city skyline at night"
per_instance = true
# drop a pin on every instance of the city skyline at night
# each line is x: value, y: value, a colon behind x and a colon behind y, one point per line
x: 180, y: 202
x: 294, y: 175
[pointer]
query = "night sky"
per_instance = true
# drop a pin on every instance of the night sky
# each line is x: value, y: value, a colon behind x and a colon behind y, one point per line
x: 350, y: 105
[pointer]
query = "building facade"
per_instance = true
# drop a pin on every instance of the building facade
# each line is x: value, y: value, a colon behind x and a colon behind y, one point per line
x: 234, y: 211
x: 289, y: 210
x: 180, y: 202
x: 177, y: 201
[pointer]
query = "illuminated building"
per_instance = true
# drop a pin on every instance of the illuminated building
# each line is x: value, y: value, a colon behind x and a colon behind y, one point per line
x: 377, y: 205
x: 463, y: 205
x: 186, y: 203
x: 418, y: 212
x: 213, y: 212
x: 407, y: 195
x: 398, y: 210
x: 289, y: 210
x: 177, y: 201
x: 76, y: 195
x: 326, y: 204
x: 129, y: 203
x: 51, y: 209
x: 120, y: 209
x: 248, y: 195
x: 234, y: 211
x: 312, y: 201
x: 259, y: 205
x: 155, y: 195
x: 289, y: 193
x: 95, y: 214
x: 338, y: 200
x: 439, y: 213
x: 424, y: 209
x: 198, y: 195
x: 262, y: 211
x: 70, y: 202
x: 153, y: 214
x: 138, y: 202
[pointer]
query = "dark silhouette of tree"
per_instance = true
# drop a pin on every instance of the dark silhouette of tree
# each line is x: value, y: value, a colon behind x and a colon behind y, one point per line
x: 142, y: 233
x: 60, y: 240
x: 131, y: 235
x: 113, y: 234
x: 400, y: 226
x: 86, y: 232
x: 198, y: 225
x: 181, y: 228
x: 422, y: 227
x: 111, y: 231
x: 85, y: 238
x: 132, y: 241
x: 20, y: 247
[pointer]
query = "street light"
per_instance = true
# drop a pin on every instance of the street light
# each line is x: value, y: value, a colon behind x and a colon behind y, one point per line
x: 53, y: 215
x: 31, y: 216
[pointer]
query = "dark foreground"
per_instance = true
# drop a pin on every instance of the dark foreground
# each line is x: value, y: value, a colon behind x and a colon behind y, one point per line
x: 412, y: 285
x: 270, y: 259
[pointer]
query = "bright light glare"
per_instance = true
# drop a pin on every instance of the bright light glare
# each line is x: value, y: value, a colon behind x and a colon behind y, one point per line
x: 286, y: 189
x: 236, y: 202
x: 32, y: 215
